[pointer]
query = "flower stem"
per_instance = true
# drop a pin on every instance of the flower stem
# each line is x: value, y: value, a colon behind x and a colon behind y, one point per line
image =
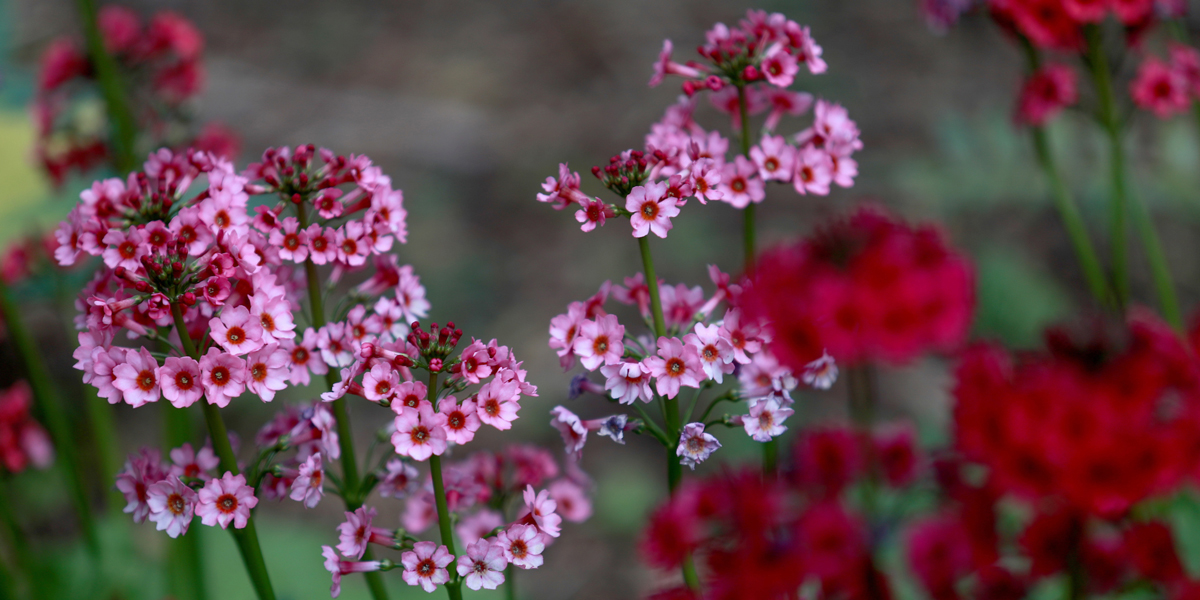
x: 49, y: 400
x: 1101, y: 78
x: 246, y: 538
x: 17, y: 541
x: 510, y: 585
x: 185, y: 562
x: 670, y: 405
x: 454, y: 586
x: 112, y: 89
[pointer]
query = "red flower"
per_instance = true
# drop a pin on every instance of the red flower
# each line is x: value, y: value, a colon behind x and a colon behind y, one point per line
x: 1049, y: 540
x: 1046, y: 93
x: 1151, y: 549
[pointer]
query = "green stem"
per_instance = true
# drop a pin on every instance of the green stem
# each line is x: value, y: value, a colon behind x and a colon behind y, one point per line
x: 185, y: 563
x: 453, y: 587
x: 246, y: 538
x: 748, y: 230
x: 1102, y: 79
x: 510, y: 586
x: 49, y: 400
x: 18, y: 541
x: 670, y: 406
x: 859, y: 379
x: 124, y: 128
x: 1159, y: 271
x: 108, y: 458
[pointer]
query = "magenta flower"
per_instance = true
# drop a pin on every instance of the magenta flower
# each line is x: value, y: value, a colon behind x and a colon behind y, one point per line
x: 410, y: 394
x: 226, y: 500
x: 716, y: 353
x: 267, y: 371
x: 522, y: 546
x: 322, y: 244
x: 600, y: 342
x: 564, y: 190
x: 420, y: 433
x: 652, y: 209
x: 593, y: 212
x: 141, y: 471
x: 676, y: 365
x: 482, y: 567
x: 352, y: 246
x: 291, y: 240
x: 462, y: 421
x: 137, y: 377
x: 223, y: 376
x: 308, y: 487
x: 496, y: 403
x: 779, y: 67
x: 216, y: 289
x: 171, y: 506
x: 425, y: 565
x: 740, y: 185
x: 236, y: 331
x: 474, y: 362
x: 765, y: 420
x: 304, y: 358
x: 1157, y: 88
x: 706, y: 180
x: 695, y: 446
x: 814, y: 171
x: 125, y: 249
x: 355, y: 533
x: 334, y: 345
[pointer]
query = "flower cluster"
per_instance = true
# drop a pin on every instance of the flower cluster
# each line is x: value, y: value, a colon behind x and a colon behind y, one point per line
x: 749, y: 70
x: 865, y: 288
x: 160, y: 62
x: 172, y: 493
x: 1168, y: 88
x: 23, y: 441
x: 1117, y: 416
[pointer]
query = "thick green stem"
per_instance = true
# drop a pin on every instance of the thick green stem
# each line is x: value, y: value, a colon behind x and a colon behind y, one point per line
x: 1102, y: 79
x: 1159, y: 271
x: 510, y: 585
x: 246, y: 538
x: 670, y: 405
x: 185, y: 562
x: 454, y: 586
x: 112, y: 89
x: 50, y: 403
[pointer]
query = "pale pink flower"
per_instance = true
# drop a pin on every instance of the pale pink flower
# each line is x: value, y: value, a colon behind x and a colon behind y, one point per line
x: 563, y: 330
x: 765, y: 376
x: 845, y: 169
x: 600, y: 342
x: 695, y: 446
x: 564, y: 190
x: 778, y: 66
x: 322, y: 244
x: 380, y: 383
x: 216, y: 289
x: 784, y: 102
x: 191, y: 231
x: 274, y: 314
x: 497, y: 403
x: 675, y: 365
x: 309, y: 485
x: 541, y: 511
x: 223, y: 376
x: 820, y: 373
x: 125, y: 249
x: 652, y: 209
x: 409, y: 395
x: 141, y: 471
x: 137, y: 378
x: 680, y: 304
x: 765, y: 420
x: 743, y: 337
x: 186, y: 462
x: 355, y: 533
x: 267, y: 371
x: 226, y: 500
x: 225, y: 213
x: 419, y: 512
x: 420, y: 434
x: 774, y: 158
x: 706, y: 180
x: 716, y: 354
x: 522, y: 545
x: 808, y: 52
x: 103, y: 363
x: 740, y: 185
x: 462, y: 421
x: 628, y: 381
x: 236, y: 331
x: 814, y: 171
x: 291, y: 240
x: 574, y: 432
x: 171, y: 506
x: 352, y: 247
x: 338, y: 567
x: 411, y: 295
x: 833, y: 130
x: 425, y: 565
x: 304, y: 358
x: 474, y: 362
x: 482, y: 567
x: 335, y: 347
x: 478, y: 526
x: 665, y: 66
x: 572, y: 502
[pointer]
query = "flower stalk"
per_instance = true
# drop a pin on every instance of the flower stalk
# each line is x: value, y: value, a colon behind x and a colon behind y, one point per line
x: 124, y: 128
x: 670, y: 406
x: 454, y: 586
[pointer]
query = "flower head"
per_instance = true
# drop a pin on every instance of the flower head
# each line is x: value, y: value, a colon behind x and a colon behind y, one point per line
x: 226, y: 500
x: 425, y: 565
x: 482, y: 567
x: 695, y: 446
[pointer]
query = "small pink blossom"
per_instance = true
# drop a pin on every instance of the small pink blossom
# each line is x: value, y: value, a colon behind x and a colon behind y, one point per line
x: 236, y: 331
x: 695, y: 446
x: 675, y: 365
x: 628, y: 381
x: 425, y: 565
x: 706, y: 180
x: 304, y: 358
x: 125, y: 249
x: 774, y: 158
x: 291, y: 240
x: 334, y: 345
x: 765, y: 420
x: 410, y: 395
x: 541, y: 509
x: 592, y: 213
x: 478, y: 526
x: 652, y: 210
x: 141, y: 471
x: 665, y: 66
x: 522, y: 545
x: 223, y: 376
x: 778, y: 66
x: 226, y: 500
x: 482, y: 567
x: 338, y: 567
x: 814, y: 171
x: 563, y: 330
x: 171, y: 506
x: 137, y: 378
x: 572, y: 502
x: 267, y: 371
x: 380, y: 383
x: 322, y: 244
x: 600, y: 342
x: 399, y: 480
x: 1157, y: 87
x: 461, y: 420
x: 740, y: 185
x: 474, y: 362
x: 356, y: 532
x: 189, y: 463
x: 420, y: 434
x: 571, y: 427
x: 743, y: 337
x: 309, y: 485
x: 496, y: 403
x: 274, y: 314
x: 715, y: 352
x: 820, y: 373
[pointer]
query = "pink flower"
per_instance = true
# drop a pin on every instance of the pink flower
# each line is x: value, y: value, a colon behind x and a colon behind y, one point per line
x: 563, y: 330
x: 695, y: 446
x: 137, y: 377
x: 141, y: 471
x: 675, y: 365
x: 335, y: 348
x: 1157, y: 88
x: 571, y: 427
x: 482, y: 567
x: 267, y: 371
x: 223, y: 376
x: 274, y: 314
x: 820, y: 373
x: 425, y: 565
x: 564, y: 190
x: 739, y: 186
x: 778, y: 66
x: 380, y: 383
x: 338, y: 567
x: 600, y: 342
x: 706, y: 180
x: 592, y: 214
x: 461, y: 420
x: 572, y: 503
x: 479, y: 525
x: 322, y: 245
x: 1185, y: 60
x: 420, y: 434
x: 216, y: 289
x: 226, y: 500
x: 652, y: 210
x: 410, y: 394
x: 807, y: 50
x: 291, y: 240
x: 356, y: 532
x: 419, y: 512
x: 541, y: 511
x: 189, y: 463
x: 665, y: 66
x: 497, y: 403
x: 236, y: 331
x: 814, y: 171
x: 125, y: 249
x: 716, y: 354
x: 474, y: 363
x: 765, y: 419
x: 522, y: 546
x: 743, y: 337
x: 352, y: 247
x: 225, y: 213
x: 399, y: 479
x: 784, y: 102
x: 774, y: 158
x: 628, y: 381
x: 304, y: 358
x: 171, y: 506
x: 1046, y: 93
x: 308, y: 487
x: 103, y: 363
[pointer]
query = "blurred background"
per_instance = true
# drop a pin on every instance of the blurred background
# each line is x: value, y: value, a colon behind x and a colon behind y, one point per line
x: 468, y: 105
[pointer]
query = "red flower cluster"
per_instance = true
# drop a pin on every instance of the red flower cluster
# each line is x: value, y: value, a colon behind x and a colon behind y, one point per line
x: 22, y: 440
x: 161, y: 67
x: 869, y: 287
x: 1093, y: 424
x: 1058, y: 24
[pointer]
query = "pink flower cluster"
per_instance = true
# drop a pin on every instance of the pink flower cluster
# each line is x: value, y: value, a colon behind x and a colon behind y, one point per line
x: 172, y: 493
x: 23, y: 441
x: 311, y: 431
x: 1168, y: 88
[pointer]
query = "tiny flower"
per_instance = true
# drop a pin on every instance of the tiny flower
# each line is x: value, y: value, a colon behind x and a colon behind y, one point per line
x: 765, y: 419
x: 137, y: 377
x: 743, y: 336
x: 706, y: 180
x: 779, y: 67
x: 563, y: 330
x: 716, y: 354
x: 676, y: 365
x: 613, y: 427
x: 380, y: 382
x: 739, y: 184
x: 1157, y: 87
x: 236, y: 331
x: 574, y: 433
x: 652, y: 210
x: 461, y: 420
x: 216, y: 289
x: 573, y: 503
x: 482, y: 567
x: 335, y: 349
x: 291, y: 240
x: 695, y: 446
x: 189, y: 463
x: 496, y: 403
x: 593, y: 213
x: 820, y: 373
x: 267, y: 371
x: 474, y: 362
x: 410, y: 394
x: 308, y: 487
x: 338, y: 567
x: 356, y: 532
x: 399, y: 479
x: 322, y: 247
x: 179, y: 378
x: 223, y: 376
x: 274, y: 314
x: 628, y: 381
x: 425, y: 565
x: 665, y: 66
x: 420, y: 434
x: 522, y: 546
x: 226, y: 500
x: 141, y: 471
x: 303, y: 358
x: 171, y: 506
x: 814, y: 171
x: 541, y: 511
x: 478, y: 526
x: 600, y: 342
